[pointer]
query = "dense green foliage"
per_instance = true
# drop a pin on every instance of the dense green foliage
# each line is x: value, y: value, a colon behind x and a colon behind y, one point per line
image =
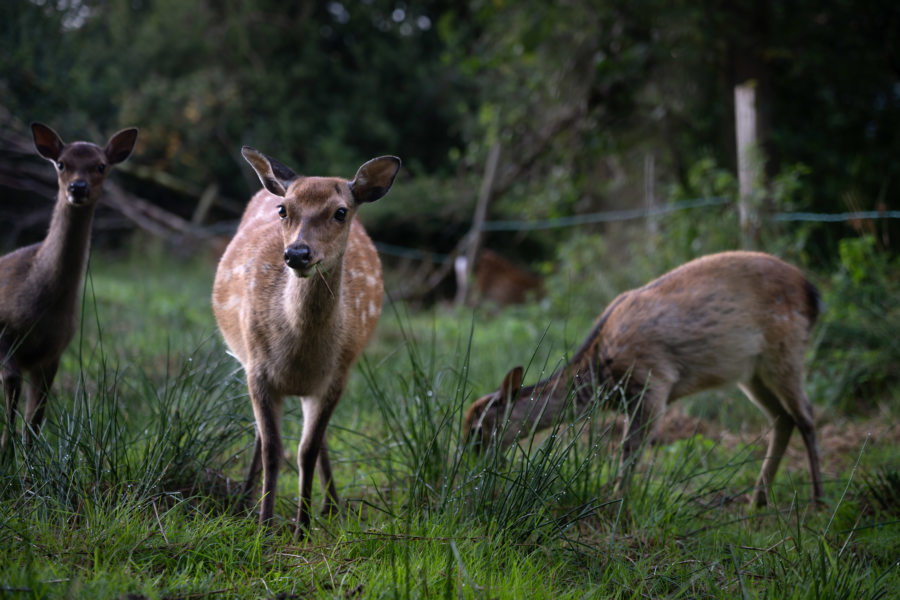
x: 578, y: 93
x: 202, y: 78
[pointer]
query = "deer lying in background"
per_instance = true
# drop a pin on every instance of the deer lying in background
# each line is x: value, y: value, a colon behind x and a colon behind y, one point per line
x: 40, y: 285
x: 297, y: 296
x: 734, y: 317
x: 502, y: 282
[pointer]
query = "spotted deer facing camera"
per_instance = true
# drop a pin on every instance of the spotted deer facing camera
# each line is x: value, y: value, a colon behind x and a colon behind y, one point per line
x: 40, y: 285
x: 297, y: 295
x: 733, y: 317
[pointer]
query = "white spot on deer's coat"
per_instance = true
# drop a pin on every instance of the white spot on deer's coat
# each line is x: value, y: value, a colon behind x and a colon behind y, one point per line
x: 260, y: 215
x: 225, y: 274
x: 233, y: 301
x: 370, y: 281
x: 372, y: 309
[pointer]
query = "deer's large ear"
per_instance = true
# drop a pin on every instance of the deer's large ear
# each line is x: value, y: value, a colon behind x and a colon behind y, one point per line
x: 511, y: 385
x: 275, y: 176
x: 120, y: 145
x: 374, y: 179
x: 46, y: 141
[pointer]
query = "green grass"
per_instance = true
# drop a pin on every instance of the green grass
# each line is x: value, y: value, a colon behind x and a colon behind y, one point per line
x: 131, y: 487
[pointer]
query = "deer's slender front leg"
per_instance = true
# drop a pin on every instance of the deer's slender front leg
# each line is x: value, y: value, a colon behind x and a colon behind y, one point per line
x: 649, y: 404
x: 267, y: 407
x: 12, y: 388
x: 38, y: 393
x: 316, y: 414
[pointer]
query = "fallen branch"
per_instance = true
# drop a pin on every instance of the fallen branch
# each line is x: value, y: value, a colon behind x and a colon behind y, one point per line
x: 147, y: 216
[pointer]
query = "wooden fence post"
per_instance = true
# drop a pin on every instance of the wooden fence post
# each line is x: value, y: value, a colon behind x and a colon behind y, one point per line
x: 749, y: 167
x: 464, y: 268
x: 650, y: 200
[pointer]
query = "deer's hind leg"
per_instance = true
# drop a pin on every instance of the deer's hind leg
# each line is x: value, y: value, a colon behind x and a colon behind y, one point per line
x: 782, y: 425
x: 252, y: 480
x: 330, y: 503
x: 786, y: 406
x: 777, y: 386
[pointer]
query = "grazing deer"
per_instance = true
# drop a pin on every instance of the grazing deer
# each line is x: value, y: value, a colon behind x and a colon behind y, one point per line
x: 733, y: 317
x: 40, y: 285
x: 297, y: 296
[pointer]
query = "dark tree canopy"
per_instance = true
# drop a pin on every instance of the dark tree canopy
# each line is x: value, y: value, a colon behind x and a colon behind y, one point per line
x: 577, y: 93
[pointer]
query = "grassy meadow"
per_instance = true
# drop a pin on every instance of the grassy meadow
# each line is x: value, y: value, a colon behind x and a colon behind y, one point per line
x: 129, y: 491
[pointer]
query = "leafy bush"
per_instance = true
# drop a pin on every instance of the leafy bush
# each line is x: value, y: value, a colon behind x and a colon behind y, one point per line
x: 859, y: 338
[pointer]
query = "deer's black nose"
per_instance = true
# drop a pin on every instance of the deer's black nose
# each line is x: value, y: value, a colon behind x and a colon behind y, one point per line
x: 297, y: 257
x: 79, y: 188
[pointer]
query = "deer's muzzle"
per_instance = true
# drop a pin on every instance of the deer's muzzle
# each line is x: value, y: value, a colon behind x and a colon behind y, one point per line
x: 79, y: 190
x: 299, y: 258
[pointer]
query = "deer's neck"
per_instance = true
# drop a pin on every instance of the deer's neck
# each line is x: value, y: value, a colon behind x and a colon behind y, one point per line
x: 61, y: 261
x: 570, y: 387
x: 313, y: 302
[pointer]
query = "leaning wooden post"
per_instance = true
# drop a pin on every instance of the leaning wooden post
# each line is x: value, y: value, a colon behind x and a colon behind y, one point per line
x: 748, y: 162
x: 650, y: 200
x: 464, y: 267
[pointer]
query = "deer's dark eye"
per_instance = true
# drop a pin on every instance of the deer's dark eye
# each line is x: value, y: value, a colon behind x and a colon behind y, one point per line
x: 101, y: 167
x: 60, y: 165
x: 282, y: 211
x: 340, y: 215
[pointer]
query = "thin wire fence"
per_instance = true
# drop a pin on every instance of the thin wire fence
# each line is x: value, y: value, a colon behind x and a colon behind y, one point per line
x: 836, y: 217
x: 602, y: 217
x: 629, y: 215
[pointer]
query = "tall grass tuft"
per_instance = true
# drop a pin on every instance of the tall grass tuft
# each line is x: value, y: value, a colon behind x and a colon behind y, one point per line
x: 125, y: 439
x: 537, y: 490
x: 822, y: 573
x: 882, y: 489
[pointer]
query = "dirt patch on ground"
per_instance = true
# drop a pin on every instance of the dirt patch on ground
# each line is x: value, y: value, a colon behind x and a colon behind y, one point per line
x: 840, y: 443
